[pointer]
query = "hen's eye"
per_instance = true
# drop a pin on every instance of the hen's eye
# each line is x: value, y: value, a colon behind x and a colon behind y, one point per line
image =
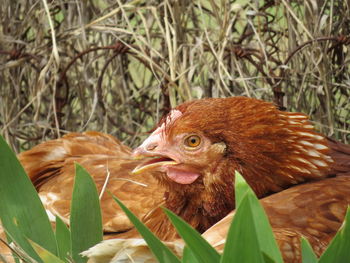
x: 192, y: 141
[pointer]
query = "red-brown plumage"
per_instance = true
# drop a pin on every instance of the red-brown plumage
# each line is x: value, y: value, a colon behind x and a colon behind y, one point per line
x: 314, y: 210
x: 50, y: 166
x: 273, y: 150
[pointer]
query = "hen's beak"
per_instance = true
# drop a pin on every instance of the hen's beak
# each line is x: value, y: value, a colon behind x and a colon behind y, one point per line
x: 154, y: 153
x: 154, y: 163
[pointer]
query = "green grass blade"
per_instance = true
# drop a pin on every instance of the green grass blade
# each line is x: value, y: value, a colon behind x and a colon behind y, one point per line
x: 251, y: 224
x: 85, y: 219
x: 242, y: 243
x: 338, y: 249
x: 44, y: 254
x: 267, y: 258
x: 200, y: 248
x: 63, y: 239
x: 21, y: 211
x: 241, y: 188
x: 308, y: 255
x: 160, y: 251
x: 188, y: 256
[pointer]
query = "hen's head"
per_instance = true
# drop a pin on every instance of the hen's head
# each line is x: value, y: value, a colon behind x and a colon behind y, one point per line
x: 199, y: 144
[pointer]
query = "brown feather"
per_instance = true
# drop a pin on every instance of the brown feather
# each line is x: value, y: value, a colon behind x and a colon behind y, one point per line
x: 50, y: 166
x: 314, y: 210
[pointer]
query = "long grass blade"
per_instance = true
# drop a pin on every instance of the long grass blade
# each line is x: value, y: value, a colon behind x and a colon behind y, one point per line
x: 85, y: 219
x: 21, y: 211
x: 338, y: 249
x: 45, y: 255
x: 160, y: 251
x: 250, y: 225
x: 200, y: 248
x: 308, y: 255
x: 63, y: 239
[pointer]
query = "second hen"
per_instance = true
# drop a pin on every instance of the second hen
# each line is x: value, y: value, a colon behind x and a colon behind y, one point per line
x: 50, y: 166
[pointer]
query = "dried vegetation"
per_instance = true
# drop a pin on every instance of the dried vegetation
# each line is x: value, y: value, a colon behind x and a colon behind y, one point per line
x: 117, y: 66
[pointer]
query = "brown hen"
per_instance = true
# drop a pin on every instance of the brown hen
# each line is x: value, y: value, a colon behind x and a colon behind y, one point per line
x: 198, y: 146
x: 313, y: 210
x: 50, y: 166
x: 193, y: 155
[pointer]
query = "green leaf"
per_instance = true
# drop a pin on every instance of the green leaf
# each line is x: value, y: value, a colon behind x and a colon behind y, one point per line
x: 63, y: 239
x: 85, y: 219
x: 267, y: 258
x: 200, y: 248
x: 250, y: 225
x: 338, y: 249
x: 242, y: 232
x: 188, y: 256
x: 241, y: 188
x: 44, y: 254
x: 308, y: 255
x: 160, y: 251
x: 21, y: 211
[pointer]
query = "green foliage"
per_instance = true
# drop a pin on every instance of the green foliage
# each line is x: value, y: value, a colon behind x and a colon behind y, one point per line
x: 45, y: 255
x: 25, y: 220
x: 160, y: 251
x: 308, y: 254
x: 199, y: 247
x: 21, y: 211
x: 188, y: 256
x: 63, y: 239
x: 249, y: 226
x: 338, y: 249
x: 85, y: 218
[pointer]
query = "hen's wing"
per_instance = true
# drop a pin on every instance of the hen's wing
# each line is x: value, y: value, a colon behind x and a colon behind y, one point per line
x: 314, y: 210
x: 340, y: 153
x: 50, y: 166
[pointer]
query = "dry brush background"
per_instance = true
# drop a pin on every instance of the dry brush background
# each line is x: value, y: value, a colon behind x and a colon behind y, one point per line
x: 118, y: 66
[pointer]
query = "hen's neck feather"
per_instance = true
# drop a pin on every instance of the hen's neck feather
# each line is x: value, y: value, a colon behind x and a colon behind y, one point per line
x: 274, y: 147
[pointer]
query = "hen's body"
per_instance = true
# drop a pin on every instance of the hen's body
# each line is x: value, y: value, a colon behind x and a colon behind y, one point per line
x: 273, y: 150
x: 50, y: 166
x: 313, y: 210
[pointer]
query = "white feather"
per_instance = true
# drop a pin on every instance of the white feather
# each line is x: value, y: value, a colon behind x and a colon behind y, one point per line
x: 134, y: 250
x: 319, y: 162
x: 320, y: 146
